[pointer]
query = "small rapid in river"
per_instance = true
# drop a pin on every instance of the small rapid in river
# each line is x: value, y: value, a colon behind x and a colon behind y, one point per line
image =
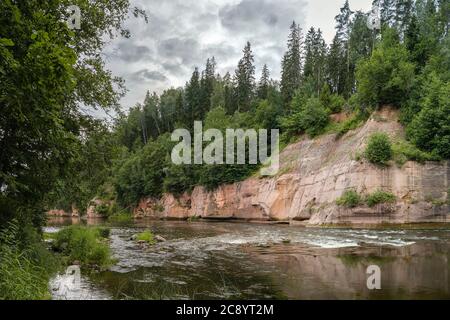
x: 208, y: 260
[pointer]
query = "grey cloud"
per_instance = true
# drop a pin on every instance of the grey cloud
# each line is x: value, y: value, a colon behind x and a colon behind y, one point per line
x: 129, y: 52
x: 258, y: 16
x: 147, y: 75
x: 185, y: 49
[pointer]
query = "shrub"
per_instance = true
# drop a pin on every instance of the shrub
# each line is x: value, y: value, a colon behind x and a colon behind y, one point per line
x: 378, y: 197
x: 379, y: 149
x: 349, y: 199
x: 83, y: 244
x: 146, y: 236
x: 311, y: 118
x: 404, y: 151
x: 103, y: 209
x: 331, y: 101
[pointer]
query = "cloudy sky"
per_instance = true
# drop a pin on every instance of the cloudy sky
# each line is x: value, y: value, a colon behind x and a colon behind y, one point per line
x: 182, y: 34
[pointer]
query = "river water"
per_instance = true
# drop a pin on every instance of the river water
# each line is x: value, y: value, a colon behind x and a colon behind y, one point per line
x: 226, y: 260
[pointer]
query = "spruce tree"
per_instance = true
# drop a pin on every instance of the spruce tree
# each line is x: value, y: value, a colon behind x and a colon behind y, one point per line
x: 245, y: 80
x: 343, y: 29
x: 315, y: 58
x: 229, y: 94
x: 336, y: 66
x: 193, y: 110
x: 207, y: 85
x: 308, y: 68
x: 291, y: 72
x: 264, y: 82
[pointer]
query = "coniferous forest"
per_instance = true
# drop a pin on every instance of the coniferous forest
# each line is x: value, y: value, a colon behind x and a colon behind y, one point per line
x: 55, y: 154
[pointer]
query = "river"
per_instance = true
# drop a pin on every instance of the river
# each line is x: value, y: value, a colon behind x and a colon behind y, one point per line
x: 230, y: 260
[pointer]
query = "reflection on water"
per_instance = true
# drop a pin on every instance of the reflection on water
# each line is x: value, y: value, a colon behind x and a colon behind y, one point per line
x: 205, y: 260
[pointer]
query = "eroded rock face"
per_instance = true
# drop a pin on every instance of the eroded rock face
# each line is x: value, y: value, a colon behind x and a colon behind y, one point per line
x: 313, y: 174
x: 75, y: 213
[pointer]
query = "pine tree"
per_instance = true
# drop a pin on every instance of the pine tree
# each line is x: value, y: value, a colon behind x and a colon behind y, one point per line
x: 315, y: 56
x: 360, y: 45
x: 245, y: 80
x: 343, y: 20
x: 308, y: 68
x: 343, y: 29
x: 336, y: 66
x: 291, y: 72
x: 264, y: 82
x: 151, y: 123
x: 229, y: 96
x: 179, y: 108
x: 193, y: 110
x: 207, y: 85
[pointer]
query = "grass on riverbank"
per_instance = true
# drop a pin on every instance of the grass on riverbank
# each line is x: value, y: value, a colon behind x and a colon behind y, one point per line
x: 25, y: 269
x: 85, y: 245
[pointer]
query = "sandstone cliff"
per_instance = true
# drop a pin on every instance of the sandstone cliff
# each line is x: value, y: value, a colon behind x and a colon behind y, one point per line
x: 313, y: 174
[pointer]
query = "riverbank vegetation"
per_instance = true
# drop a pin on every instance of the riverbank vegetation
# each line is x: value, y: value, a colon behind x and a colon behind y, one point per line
x: 85, y: 246
x: 25, y: 264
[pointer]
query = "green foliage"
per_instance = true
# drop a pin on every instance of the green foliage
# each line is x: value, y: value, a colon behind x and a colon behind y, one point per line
x: 146, y: 236
x: 379, y: 149
x: 25, y: 269
x: 349, y: 199
x: 379, y: 197
x: 332, y: 102
x: 386, y: 78
x: 142, y: 174
x: 405, y: 151
x: 310, y: 118
x: 430, y: 128
x: 83, y: 244
x: 354, y: 121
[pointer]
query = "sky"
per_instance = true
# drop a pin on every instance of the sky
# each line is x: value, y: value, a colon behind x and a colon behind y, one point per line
x: 181, y: 34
